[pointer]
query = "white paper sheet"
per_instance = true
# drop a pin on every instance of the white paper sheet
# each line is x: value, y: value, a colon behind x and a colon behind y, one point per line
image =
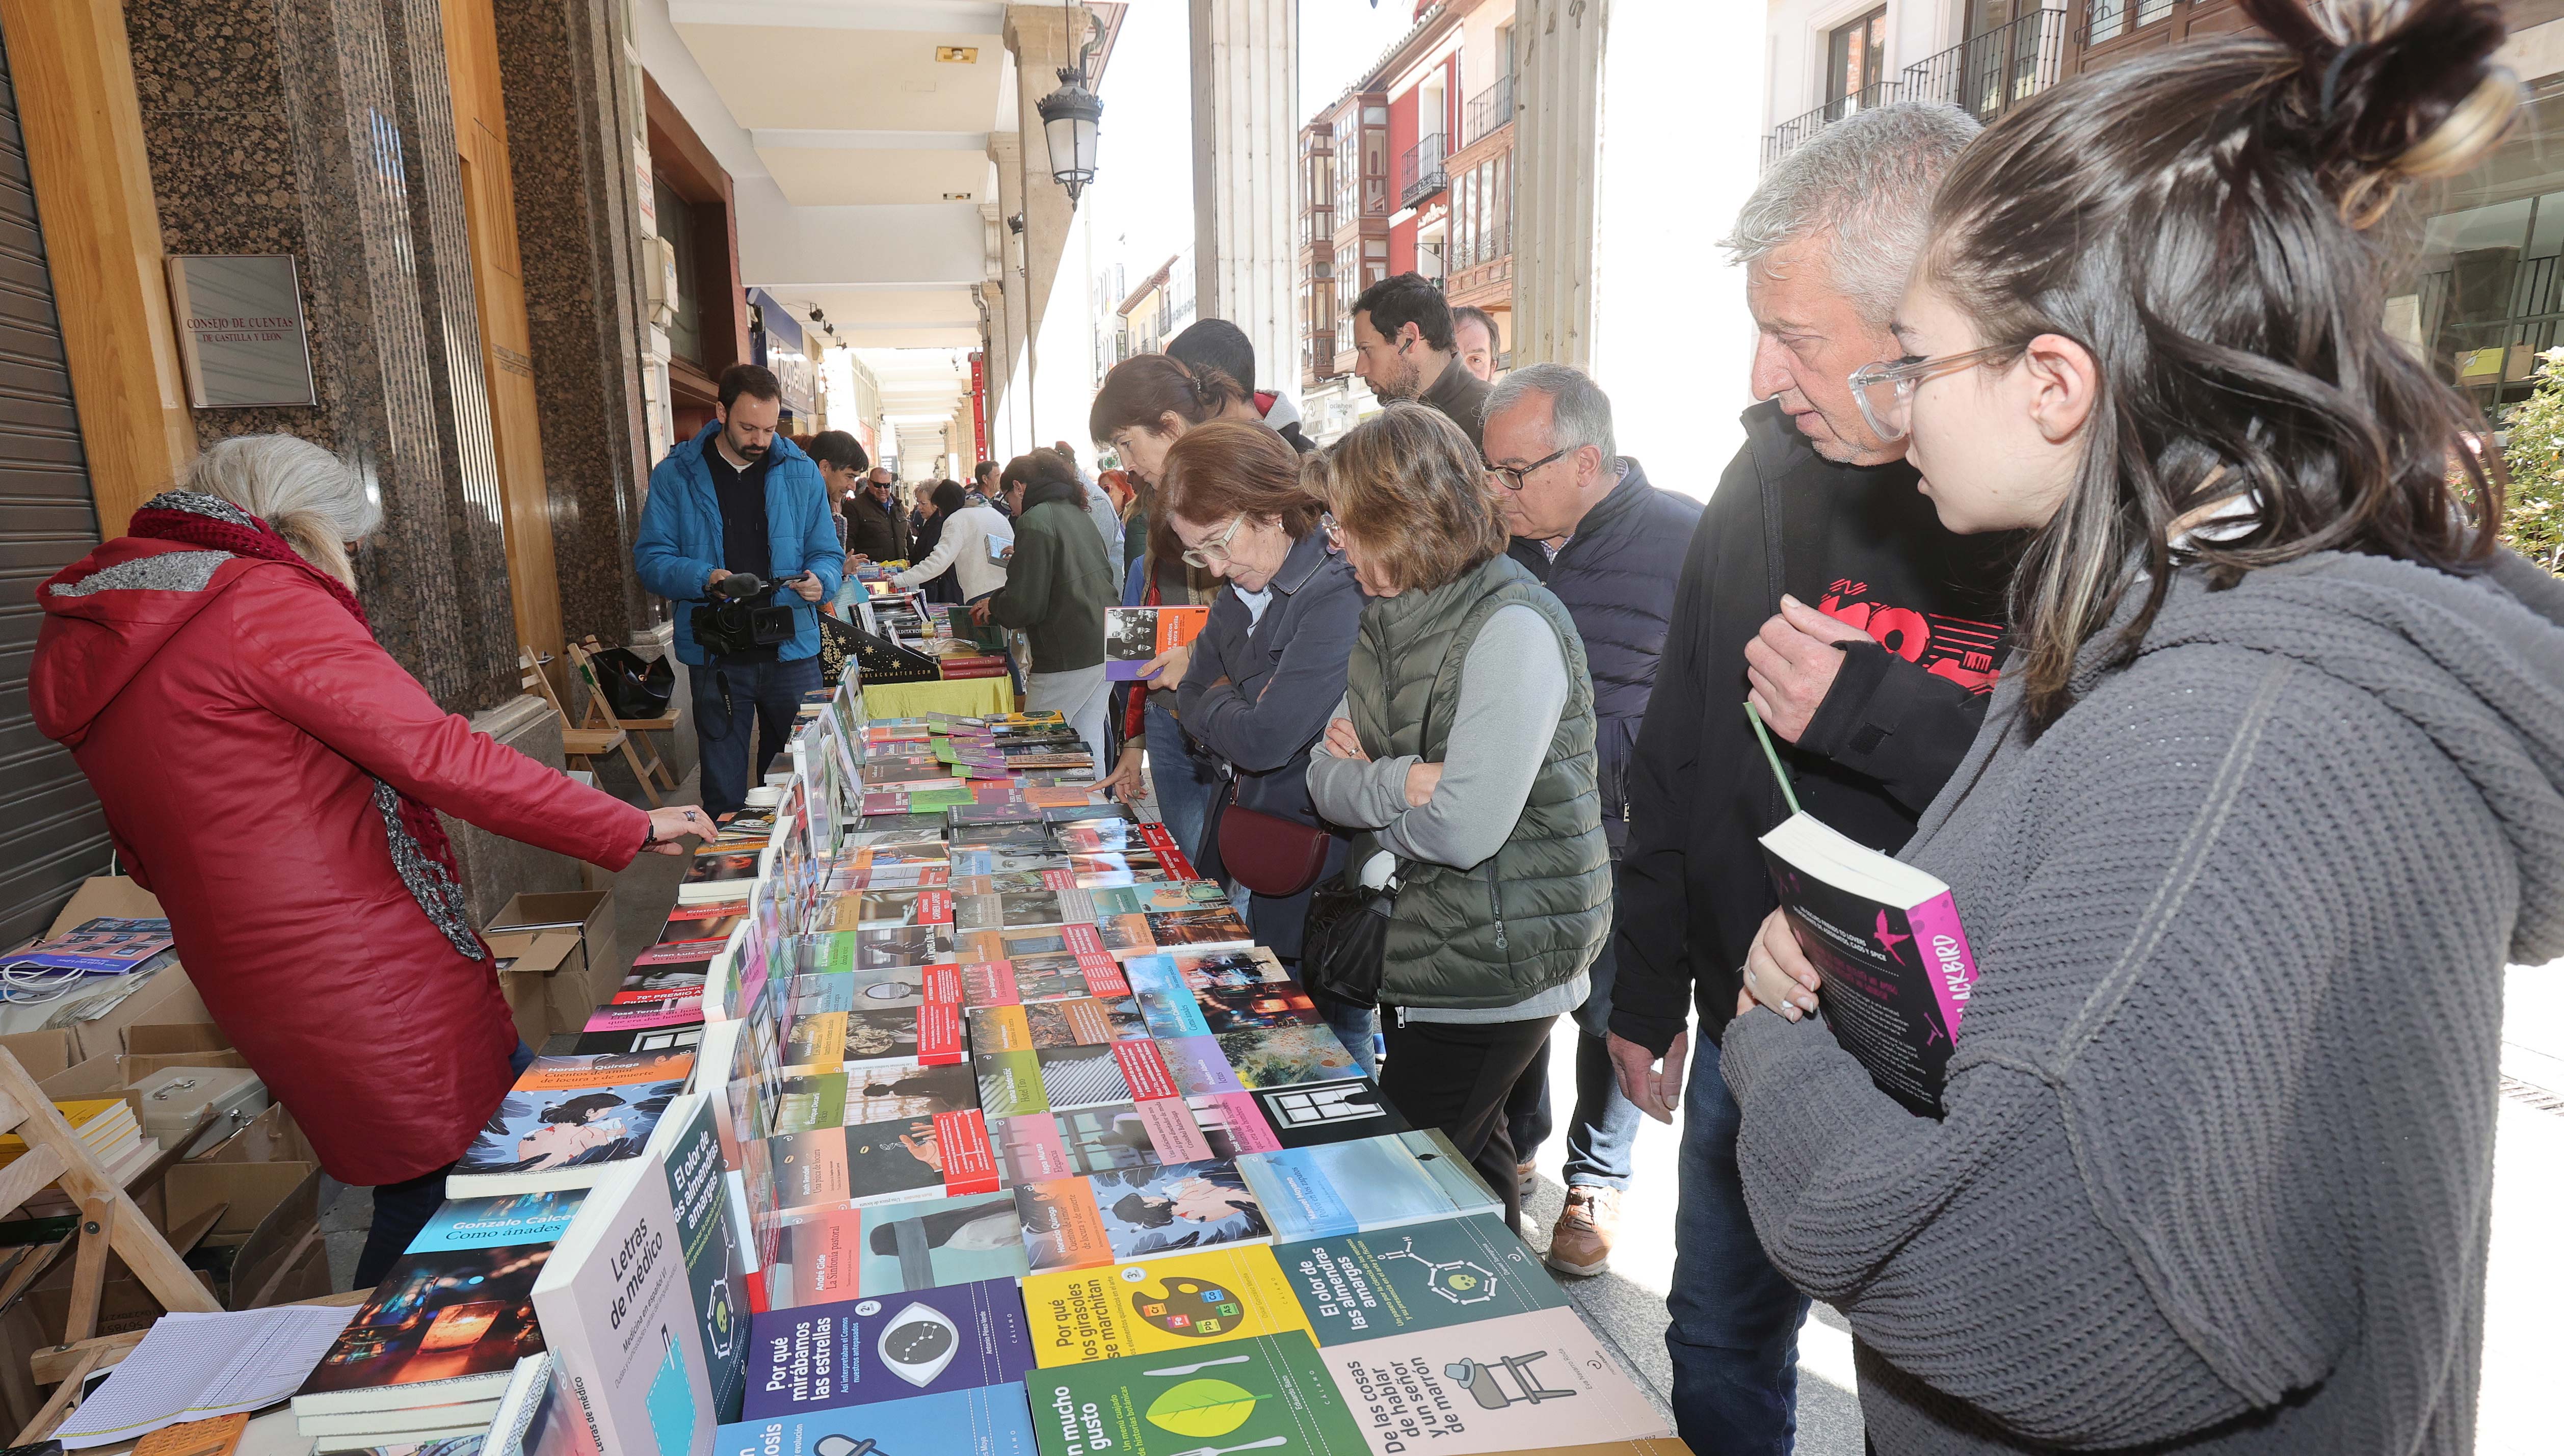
x: 194, y: 1366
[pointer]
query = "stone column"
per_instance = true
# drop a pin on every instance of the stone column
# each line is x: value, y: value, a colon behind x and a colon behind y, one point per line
x: 294, y: 127
x: 1040, y: 39
x: 1246, y: 161
x: 1558, y: 133
x: 572, y: 117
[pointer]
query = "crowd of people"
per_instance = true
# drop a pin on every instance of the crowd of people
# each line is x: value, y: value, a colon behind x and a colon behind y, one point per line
x: 2092, y: 547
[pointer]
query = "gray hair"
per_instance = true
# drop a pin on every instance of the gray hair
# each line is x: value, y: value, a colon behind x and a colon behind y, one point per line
x: 1579, y: 412
x: 316, y: 500
x: 1868, y: 180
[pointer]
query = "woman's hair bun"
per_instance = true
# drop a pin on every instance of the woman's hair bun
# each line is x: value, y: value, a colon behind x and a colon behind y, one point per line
x: 2390, y: 92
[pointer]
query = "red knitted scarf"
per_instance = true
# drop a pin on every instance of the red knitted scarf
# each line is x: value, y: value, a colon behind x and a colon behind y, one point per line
x: 155, y: 521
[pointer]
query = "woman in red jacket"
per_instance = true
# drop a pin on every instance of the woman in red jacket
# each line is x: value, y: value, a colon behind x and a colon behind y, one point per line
x: 273, y: 776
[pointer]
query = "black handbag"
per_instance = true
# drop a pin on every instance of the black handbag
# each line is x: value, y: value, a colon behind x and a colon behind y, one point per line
x: 634, y: 686
x: 1343, y: 945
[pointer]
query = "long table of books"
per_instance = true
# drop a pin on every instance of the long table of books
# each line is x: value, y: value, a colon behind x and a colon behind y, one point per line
x: 953, y: 1114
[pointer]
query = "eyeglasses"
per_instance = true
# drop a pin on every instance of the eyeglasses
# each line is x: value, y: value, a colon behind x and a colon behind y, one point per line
x: 1511, y: 477
x: 1215, y: 549
x: 1334, y: 532
x: 1885, y: 390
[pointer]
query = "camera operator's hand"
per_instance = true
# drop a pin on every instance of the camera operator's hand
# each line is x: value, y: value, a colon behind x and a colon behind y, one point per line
x: 808, y: 585
x: 715, y: 580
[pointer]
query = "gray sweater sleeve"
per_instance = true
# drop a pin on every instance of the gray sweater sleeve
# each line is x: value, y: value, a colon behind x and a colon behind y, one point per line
x: 1513, y: 687
x: 2191, y: 911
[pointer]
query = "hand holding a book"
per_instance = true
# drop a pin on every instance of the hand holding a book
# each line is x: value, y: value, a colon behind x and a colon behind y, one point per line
x: 1790, y: 665
x: 1168, y: 668
x: 1778, y: 974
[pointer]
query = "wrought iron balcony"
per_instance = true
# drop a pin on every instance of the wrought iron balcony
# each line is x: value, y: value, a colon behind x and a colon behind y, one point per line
x: 1991, y: 74
x: 1488, y: 109
x: 1789, y: 134
x: 1421, y: 171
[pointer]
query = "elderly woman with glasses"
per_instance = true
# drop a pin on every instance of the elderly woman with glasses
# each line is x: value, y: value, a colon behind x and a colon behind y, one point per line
x: 1259, y: 683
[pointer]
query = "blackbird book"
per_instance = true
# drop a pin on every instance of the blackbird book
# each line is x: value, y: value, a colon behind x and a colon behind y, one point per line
x: 1886, y: 938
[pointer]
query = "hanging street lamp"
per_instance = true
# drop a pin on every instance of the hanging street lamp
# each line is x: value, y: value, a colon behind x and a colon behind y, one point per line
x: 1070, y: 117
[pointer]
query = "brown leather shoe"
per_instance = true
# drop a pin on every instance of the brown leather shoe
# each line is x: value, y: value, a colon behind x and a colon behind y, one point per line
x: 1582, y: 1243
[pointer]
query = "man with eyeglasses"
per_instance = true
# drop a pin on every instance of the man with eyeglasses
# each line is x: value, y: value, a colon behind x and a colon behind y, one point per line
x: 1404, y: 350
x: 1609, y: 545
x: 1822, y: 586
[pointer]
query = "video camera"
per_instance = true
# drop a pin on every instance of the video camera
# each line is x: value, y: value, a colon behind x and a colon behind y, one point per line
x: 735, y: 623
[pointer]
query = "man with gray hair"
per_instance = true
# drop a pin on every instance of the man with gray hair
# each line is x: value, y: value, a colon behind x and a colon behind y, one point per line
x: 1821, y: 587
x: 1609, y: 545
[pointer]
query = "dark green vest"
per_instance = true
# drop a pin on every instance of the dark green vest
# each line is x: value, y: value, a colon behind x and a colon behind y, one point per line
x: 1537, y: 914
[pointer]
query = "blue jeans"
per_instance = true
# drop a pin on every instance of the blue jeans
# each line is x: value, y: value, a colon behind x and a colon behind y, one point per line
x: 1605, y: 1125
x: 728, y: 703
x: 1182, y: 779
x: 1353, y: 1025
x: 1735, y: 1333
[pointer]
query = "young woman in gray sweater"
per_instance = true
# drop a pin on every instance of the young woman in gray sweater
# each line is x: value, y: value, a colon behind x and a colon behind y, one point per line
x: 2269, y: 795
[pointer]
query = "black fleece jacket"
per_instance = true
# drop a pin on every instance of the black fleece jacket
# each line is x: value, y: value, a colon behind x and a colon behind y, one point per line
x: 1862, y: 544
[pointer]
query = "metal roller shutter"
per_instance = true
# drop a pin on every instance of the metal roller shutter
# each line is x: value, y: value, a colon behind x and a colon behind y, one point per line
x: 51, y: 834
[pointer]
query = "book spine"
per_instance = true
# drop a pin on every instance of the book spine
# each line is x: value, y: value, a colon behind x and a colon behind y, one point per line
x: 1948, y: 961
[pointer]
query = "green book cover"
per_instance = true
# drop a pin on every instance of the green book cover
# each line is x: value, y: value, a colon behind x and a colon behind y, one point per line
x: 1423, y: 1276
x: 933, y: 799
x: 1010, y: 1084
x: 1270, y: 1393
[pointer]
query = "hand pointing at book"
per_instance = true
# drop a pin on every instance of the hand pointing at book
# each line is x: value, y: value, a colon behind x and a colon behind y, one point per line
x: 1777, y: 973
x: 1790, y: 665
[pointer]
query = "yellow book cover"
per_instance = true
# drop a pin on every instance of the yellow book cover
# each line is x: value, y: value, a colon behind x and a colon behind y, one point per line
x: 1175, y: 1303
x: 79, y: 1113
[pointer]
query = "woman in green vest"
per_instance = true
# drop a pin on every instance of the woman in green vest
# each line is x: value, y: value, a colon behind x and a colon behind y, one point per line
x: 1464, y: 744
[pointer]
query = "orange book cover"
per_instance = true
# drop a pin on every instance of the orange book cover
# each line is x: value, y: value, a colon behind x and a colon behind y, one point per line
x: 1000, y: 1029
x: 565, y: 1074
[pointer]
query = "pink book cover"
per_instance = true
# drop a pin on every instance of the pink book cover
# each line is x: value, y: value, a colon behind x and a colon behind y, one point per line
x: 969, y: 1163
x: 1164, y: 844
x: 1171, y: 1127
x: 1102, y: 974
x: 1232, y: 1124
x: 685, y: 1011
x: 1145, y: 1071
x: 1952, y: 965
x: 1033, y: 1153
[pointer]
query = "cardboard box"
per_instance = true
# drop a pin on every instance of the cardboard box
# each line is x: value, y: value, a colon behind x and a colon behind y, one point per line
x: 42, y: 1053
x: 545, y: 983
x: 271, y: 1137
x: 248, y: 1192
x: 590, y: 913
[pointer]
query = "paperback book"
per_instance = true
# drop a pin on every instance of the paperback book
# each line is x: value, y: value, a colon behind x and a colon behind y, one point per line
x: 1083, y: 1021
x: 1886, y: 937
x: 450, y: 1320
x: 1135, y: 635
x: 813, y: 1100
x: 1316, y: 1112
x: 1514, y: 1382
x: 1040, y: 1147
x: 1426, y: 1276
x: 1130, y: 1214
x: 1269, y: 1393
x: 1285, y: 1056
x: 961, y: 1337
x: 941, y: 1157
x: 568, y: 1121
x: 1181, y: 1302
x: 1350, y: 1187
x: 987, y: 1421
x: 833, y: 1254
x: 930, y: 1033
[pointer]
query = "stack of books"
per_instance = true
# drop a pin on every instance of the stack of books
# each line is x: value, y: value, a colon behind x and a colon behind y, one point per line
x: 113, y: 1136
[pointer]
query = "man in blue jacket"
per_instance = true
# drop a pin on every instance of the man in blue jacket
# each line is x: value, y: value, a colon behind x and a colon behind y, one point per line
x: 1610, y: 547
x: 738, y: 499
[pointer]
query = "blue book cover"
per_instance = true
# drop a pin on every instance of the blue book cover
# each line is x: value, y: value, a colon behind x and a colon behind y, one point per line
x: 1165, y: 999
x: 1336, y: 1188
x: 488, y: 1223
x: 956, y: 1338
x: 991, y: 1421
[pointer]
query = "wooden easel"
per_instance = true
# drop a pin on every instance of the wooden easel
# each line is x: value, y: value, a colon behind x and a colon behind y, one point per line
x: 109, y: 1220
x: 580, y: 747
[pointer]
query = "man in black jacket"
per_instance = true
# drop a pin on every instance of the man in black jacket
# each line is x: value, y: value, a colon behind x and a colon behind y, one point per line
x: 1820, y: 584
x: 876, y: 523
x: 1584, y: 519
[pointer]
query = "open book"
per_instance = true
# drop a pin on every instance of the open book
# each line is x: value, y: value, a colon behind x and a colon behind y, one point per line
x: 1886, y: 937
